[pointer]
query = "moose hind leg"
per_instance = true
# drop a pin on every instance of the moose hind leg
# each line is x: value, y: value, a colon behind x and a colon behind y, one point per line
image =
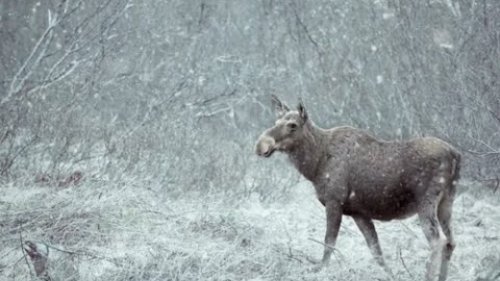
x: 444, y: 216
x: 428, y: 217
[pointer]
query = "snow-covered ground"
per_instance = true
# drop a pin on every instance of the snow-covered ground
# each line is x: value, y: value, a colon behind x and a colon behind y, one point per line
x: 111, y: 231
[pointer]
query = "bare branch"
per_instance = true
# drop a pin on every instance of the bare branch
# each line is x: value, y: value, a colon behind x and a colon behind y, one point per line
x: 40, y: 48
x: 404, y: 264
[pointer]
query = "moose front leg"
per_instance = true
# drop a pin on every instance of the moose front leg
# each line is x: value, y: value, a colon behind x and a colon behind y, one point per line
x: 368, y: 230
x: 333, y: 220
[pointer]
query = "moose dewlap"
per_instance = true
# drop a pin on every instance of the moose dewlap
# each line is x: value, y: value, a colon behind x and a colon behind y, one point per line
x: 357, y: 175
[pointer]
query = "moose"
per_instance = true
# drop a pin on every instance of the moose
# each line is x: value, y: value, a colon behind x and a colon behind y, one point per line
x: 358, y: 175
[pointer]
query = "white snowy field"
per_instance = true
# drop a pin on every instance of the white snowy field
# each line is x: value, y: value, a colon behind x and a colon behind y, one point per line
x: 114, y: 231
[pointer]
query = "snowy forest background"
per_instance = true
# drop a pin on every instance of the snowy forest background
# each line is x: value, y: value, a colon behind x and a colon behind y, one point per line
x: 127, y: 130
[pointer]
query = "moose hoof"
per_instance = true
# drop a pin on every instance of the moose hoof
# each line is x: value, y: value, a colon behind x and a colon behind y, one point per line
x: 317, y: 268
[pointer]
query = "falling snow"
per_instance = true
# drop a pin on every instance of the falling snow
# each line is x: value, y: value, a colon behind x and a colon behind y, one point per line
x: 158, y: 105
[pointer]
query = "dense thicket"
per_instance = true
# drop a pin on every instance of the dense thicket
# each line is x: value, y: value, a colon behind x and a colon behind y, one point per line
x: 177, y: 91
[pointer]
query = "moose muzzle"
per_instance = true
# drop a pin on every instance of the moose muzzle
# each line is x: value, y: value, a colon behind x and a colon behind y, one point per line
x: 265, y: 145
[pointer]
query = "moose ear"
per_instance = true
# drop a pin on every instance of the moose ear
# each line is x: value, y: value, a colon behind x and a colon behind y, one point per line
x: 279, y: 107
x: 302, y: 110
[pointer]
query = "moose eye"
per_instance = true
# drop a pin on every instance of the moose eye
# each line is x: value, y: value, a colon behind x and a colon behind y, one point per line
x: 292, y: 126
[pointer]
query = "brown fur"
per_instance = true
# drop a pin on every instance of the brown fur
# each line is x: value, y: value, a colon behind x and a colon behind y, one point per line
x: 357, y: 175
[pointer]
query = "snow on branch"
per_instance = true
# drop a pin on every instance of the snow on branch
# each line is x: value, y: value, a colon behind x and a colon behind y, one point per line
x: 87, y: 31
x: 35, y: 56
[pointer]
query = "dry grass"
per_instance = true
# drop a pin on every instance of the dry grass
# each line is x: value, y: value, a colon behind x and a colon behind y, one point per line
x: 108, y: 231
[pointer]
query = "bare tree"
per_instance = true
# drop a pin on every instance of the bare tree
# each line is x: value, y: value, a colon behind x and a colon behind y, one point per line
x: 72, y: 42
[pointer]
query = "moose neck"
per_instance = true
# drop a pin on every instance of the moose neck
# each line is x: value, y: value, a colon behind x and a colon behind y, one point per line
x: 307, y: 154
